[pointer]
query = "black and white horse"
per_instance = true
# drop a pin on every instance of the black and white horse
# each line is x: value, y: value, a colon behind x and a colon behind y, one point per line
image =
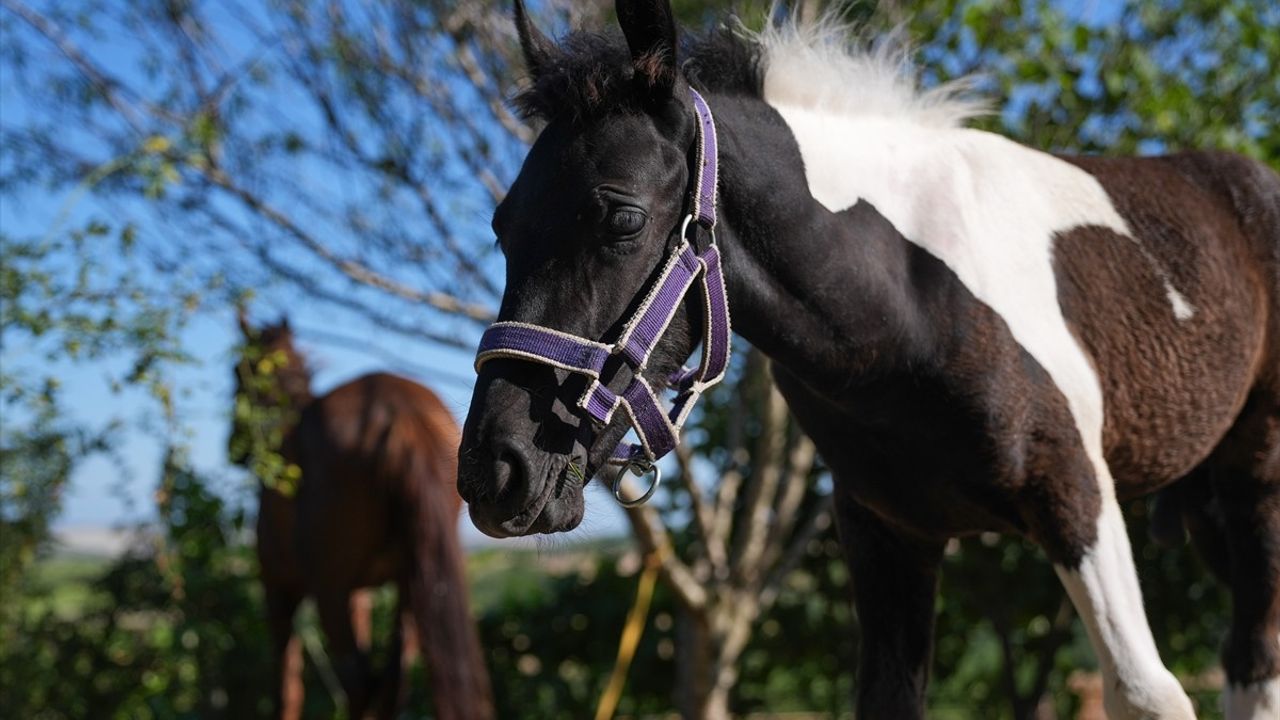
x: 978, y: 336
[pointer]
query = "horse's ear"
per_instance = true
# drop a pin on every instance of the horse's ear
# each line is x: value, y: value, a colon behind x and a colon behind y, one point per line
x: 284, y: 324
x: 650, y: 28
x: 242, y: 319
x: 538, y: 49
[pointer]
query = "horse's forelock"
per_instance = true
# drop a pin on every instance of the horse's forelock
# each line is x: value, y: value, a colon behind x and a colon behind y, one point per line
x: 593, y: 74
x: 592, y: 71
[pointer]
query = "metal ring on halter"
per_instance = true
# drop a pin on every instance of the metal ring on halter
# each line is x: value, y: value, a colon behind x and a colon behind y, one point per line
x: 684, y: 229
x: 684, y: 226
x: 639, y: 468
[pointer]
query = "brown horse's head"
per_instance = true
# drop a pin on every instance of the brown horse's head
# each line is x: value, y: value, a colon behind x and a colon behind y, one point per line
x: 272, y: 383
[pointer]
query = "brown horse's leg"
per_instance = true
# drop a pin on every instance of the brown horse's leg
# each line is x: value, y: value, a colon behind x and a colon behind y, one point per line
x: 895, y: 581
x: 1246, y: 484
x: 362, y: 617
x: 400, y: 652
x: 286, y: 648
x: 336, y: 608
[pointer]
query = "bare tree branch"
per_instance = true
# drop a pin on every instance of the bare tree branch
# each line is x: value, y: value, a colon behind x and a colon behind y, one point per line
x: 459, y: 28
x: 308, y: 285
x: 392, y: 359
x: 749, y: 543
x: 799, y: 467
x: 703, y: 518
x: 203, y: 75
x: 731, y: 481
x: 350, y: 268
x: 814, y: 524
x: 106, y: 85
x: 653, y: 538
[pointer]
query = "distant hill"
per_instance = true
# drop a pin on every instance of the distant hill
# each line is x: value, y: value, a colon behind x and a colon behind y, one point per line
x: 98, y: 542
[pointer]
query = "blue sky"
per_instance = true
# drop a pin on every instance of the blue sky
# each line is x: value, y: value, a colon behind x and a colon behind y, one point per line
x: 118, y: 490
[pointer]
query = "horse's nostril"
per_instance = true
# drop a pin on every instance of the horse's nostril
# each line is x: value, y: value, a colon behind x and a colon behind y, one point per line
x: 508, y: 472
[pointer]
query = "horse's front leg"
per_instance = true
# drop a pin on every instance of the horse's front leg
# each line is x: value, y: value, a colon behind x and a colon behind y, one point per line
x: 282, y: 602
x: 895, y: 581
x: 1073, y: 514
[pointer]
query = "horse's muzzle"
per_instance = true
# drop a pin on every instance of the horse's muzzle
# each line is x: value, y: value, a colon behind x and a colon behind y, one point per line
x: 514, y: 491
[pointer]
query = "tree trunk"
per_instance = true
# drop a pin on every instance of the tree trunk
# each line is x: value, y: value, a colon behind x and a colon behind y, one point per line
x: 715, y: 706
x: 707, y: 662
x: 702, y: 692
x: 693, y: 662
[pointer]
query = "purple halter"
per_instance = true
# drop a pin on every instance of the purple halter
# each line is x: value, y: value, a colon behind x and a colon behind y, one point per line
x: 659, y: 431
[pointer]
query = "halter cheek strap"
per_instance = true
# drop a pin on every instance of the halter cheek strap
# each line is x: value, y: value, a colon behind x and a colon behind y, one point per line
x: 684, y: 267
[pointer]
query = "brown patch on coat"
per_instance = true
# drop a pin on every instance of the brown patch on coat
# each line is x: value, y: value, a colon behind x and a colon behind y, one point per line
x: 1172, y: 388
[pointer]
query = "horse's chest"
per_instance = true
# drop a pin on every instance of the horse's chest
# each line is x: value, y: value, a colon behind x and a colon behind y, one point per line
x: 936, y: 460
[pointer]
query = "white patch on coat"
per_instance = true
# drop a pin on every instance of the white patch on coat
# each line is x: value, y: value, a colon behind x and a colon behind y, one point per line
x: 1182, y: 309
x: 1105, y: 592
x: 1256, y: 701
x: 989, y: 209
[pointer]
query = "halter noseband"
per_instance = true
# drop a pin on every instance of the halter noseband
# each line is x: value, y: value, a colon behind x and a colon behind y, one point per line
x: 659, y: 431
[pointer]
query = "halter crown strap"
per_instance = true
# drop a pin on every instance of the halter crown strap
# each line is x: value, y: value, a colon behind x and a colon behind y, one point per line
x: 703, y: 205
x: 658, y: 430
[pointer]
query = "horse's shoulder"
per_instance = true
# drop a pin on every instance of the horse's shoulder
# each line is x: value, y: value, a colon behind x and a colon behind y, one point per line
x: 379, y: 398
x: 380, y: 385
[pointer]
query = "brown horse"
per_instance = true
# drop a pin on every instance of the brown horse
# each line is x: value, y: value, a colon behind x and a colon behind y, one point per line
x: 375, y: 504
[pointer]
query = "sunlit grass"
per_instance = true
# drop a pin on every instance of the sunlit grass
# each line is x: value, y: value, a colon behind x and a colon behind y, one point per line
x: 64, y: 584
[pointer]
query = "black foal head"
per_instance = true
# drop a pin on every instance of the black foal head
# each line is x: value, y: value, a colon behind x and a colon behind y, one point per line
x: 585, y: 229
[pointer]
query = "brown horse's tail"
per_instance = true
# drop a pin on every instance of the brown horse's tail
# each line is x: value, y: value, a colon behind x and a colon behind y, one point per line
x: 450, y: 644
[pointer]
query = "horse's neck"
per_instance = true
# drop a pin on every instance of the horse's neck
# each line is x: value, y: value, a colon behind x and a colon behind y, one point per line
x: 296, y: 386
x: 826, y: 294
x: 298, y: 394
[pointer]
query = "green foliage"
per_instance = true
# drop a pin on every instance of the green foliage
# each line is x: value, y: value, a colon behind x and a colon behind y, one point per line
x: 261, y: 417
x: 552, y: 639
x: 69, y: 298
x: 175, y: 630
x: 781, y: 672
x: 36, y: 465
x: 1005, y: 626
x: 1154, y: 77
x: 551, y: 650
x: 171, y: 630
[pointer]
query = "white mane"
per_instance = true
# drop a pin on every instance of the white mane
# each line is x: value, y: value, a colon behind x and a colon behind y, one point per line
x: 821, y: 65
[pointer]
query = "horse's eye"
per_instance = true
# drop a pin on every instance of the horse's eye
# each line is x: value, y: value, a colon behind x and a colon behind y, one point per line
x: 626, y: 221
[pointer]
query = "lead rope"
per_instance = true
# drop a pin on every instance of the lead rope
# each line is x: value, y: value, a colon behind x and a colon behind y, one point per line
x: 631, y: 632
